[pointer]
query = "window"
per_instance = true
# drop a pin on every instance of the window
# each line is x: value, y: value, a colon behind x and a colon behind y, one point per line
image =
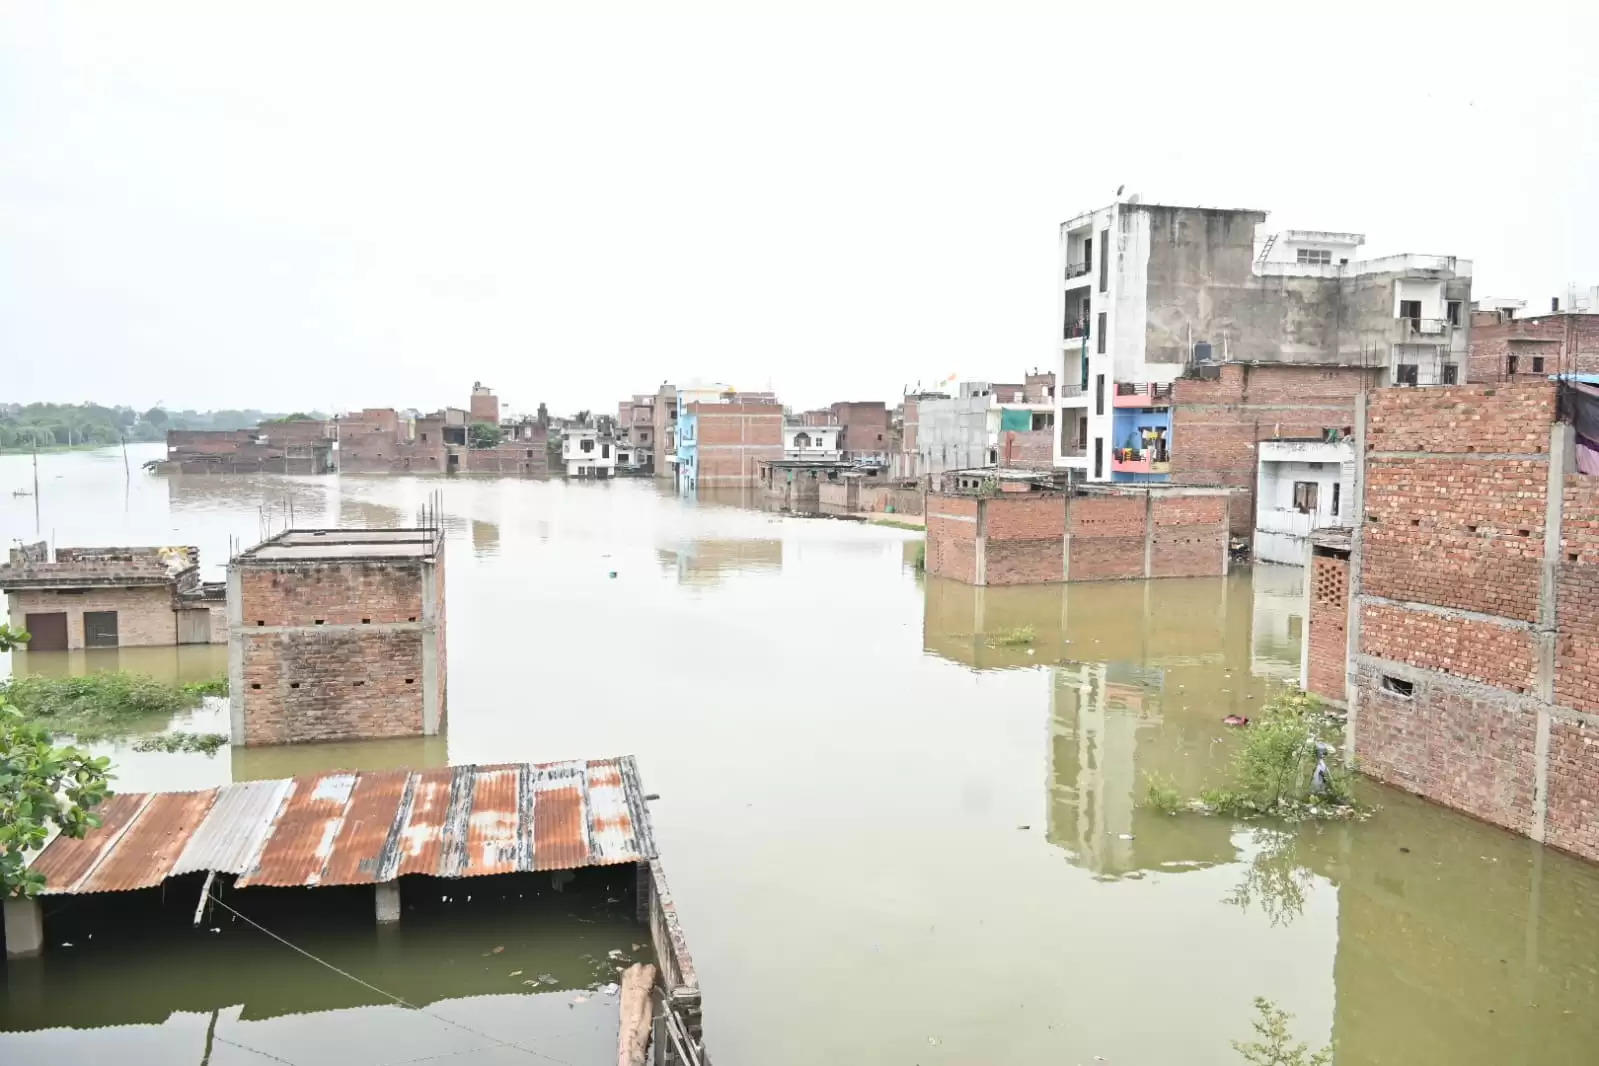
x: 1510, y: 364
x: 1405, y: 374
x: 1099, y: 394
x: 1411, y: 309
x: 1451, y: 374
x: 1088, y: 253
x: 1313, y: 256
x: 1537, y: 364
x: 1099, y: 330
x: 605, y: 451
x: 1397, y: 686
x: 1305, y: 497
x: 1452, y: 310
x: 1099, y: 457
x: 1336, y: 492
x: 99, y: 629
x: 585, y: 445
x: 1043, y: 420
x: 1104, y: 260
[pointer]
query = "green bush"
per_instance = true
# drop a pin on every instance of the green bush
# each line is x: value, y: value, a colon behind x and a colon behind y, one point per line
x: 1272, y: 770
x: 97, y: 706
x: 1160, y: 793
x: 1016, y: 637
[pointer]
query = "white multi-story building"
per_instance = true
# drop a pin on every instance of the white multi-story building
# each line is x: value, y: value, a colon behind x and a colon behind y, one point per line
x: 1149, y: 291
x: 587, y: 454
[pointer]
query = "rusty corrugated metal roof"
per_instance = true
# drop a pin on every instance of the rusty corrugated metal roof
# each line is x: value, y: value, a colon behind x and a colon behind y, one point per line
x: 349, y: 828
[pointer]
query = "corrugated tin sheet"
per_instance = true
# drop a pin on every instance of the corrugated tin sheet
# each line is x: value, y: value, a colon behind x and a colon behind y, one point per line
x: 348, y: 828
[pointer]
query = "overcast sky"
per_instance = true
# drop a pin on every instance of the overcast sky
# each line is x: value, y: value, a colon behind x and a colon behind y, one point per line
x: 330, y: 205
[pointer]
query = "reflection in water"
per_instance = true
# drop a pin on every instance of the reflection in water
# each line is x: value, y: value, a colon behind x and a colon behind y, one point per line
x: 485, y: 538
x: 706, y: 561
x: 847, y: 759
x: 180, y: 663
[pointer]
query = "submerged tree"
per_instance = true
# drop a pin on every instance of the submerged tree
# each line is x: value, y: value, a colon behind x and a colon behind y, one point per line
x: 1275, y: 1046
x: 41, y: 786
x: 484, y: 435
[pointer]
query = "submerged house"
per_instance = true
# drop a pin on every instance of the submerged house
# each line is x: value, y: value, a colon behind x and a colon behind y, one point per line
x: 114, y: 597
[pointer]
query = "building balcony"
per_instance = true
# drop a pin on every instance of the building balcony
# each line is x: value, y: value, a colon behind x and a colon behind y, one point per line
x: 1424, y: 329
x: 1142, y: 394
x: 1139, y: 461
x: 1077, y: 274
x: 1076, y: 331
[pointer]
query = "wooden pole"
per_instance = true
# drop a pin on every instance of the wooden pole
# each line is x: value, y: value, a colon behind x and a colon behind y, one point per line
x: 633, y: 1042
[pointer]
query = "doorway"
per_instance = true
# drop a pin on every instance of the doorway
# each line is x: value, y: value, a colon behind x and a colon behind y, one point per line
x: 47, y: 631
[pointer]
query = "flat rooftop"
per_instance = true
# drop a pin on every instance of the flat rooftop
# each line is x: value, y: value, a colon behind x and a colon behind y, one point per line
x: 308, y: 545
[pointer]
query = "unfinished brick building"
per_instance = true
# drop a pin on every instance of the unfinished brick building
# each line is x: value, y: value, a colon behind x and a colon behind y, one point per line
x: 1504, y: 348
x: 1475, y: 608
x: 1011, y: 534
x: 337, y: 635
x: 722, y: 445
x: 293, y: 446
x: 113, y: 597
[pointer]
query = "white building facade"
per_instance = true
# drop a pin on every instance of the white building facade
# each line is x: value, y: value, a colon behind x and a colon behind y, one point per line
x: 587, y: 454
x: 1302, y: 485
x: 812, y: 442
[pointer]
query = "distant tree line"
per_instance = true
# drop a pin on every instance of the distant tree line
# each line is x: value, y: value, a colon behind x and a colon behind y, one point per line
x: 61, y: 425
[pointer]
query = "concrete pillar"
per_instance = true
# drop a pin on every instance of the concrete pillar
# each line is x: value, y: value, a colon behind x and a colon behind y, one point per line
x: 24, y: 922
x: 388, y: 901
x: 1562, y: 460
x: 1149, y: 532
x: 432, y: 712
x: 235, y: 612
x: 1357, y: 514
x: 980, y: 545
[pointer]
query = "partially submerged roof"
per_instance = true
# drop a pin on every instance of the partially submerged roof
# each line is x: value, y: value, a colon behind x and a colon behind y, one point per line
x: 107, y: 567
x: 318, y: 545
x: 344, y: 827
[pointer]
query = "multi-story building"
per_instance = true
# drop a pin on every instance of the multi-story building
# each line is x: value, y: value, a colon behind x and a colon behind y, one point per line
x: 1303, y: 485
x: 635, y: 429
x: 982, y: 425
x: 865, y: 425
x: 1276, y: 333
x: 587, y: 453
x: 721, y: 442
x: 484, y: 405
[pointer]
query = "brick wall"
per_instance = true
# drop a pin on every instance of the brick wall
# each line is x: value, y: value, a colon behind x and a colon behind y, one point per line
x: 335, y: 649
x: 1475, y: 649
x: 1189, y: 538
x: 526, y: 458
x: 1024, y: 542
x: 1216, y: 423
x: 1327, y: 637
x: 1460, y: 745
x: 1030, y: 449
x: 1107, y: 538
x: 733, y: 438
x: 145, y: 617
x: 952, y: 537
x: 1456, y: 506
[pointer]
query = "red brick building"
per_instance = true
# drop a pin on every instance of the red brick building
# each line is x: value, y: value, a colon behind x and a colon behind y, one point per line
x: 337, y: 635
x: 866, y: 429
x: 1009, y: 535
x: 1529, y: 349
x: 484, y: 406
x: 1220, y: 413
x: 1475, y: 620
x: 730, y: 441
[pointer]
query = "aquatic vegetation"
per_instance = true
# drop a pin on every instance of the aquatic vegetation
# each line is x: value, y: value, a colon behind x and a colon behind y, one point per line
x: 216, y: 686
x: 1274, y: 1045
x: 920, y: 561
x: 207, y: 743
x: 99, y: 706
x: 1287, y: 766
x: 1160, y: 793
x: 894, y: 523
x: 1016, y: 637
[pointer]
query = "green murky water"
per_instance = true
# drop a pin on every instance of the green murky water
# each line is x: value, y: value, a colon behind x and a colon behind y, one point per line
x: 890, y: 840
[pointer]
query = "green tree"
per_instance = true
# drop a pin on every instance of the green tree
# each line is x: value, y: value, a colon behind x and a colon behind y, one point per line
x: 41, y: 786
x: 484, y: 435
x: 156, y: 417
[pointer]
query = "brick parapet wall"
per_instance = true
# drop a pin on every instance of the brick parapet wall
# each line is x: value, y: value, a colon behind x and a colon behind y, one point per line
x: 1327, y: 632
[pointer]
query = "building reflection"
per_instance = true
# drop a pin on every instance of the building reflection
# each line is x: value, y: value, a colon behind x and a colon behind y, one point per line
x: 268, y: 762
x: 709, y: 562
x: 485, y: 538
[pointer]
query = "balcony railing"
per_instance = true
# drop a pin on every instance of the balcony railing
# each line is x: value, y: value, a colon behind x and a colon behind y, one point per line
x: 1077, y: 270
x: 1140, y: 461
x: 1424, y: 328
x: 1076, y: 330
x: 1142, y: 394
x: 1069, y: 392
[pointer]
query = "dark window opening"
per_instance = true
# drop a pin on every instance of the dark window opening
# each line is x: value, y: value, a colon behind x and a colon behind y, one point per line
x: 1452, y: 309
x: 1099, y: 330
x: 1451, y: 374
x: 259, y: 622
x: 1337, y: 487
x: 411, y: 619
x: 1398, y: 686
x: 358, y: 684
x: 410, y: 681
x: 1099, y: 394
x: 319, y: 621
x: 100, y: 629
x: 1104, y: 260
x: 366, y: 621
x: 1406, y: 374
x: 255, y: 684
x: 1305, y: 496
x: 1411, y: 309
x: 1537, y: 364
x: 1510, y: 364
x: 1099, y: 457
x: 294, y: 684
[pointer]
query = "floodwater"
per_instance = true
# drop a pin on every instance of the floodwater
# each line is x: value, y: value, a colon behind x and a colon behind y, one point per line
x: 891, y: 838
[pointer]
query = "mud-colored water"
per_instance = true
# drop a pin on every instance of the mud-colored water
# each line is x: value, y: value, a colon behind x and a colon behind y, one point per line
x: 890, y: 839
